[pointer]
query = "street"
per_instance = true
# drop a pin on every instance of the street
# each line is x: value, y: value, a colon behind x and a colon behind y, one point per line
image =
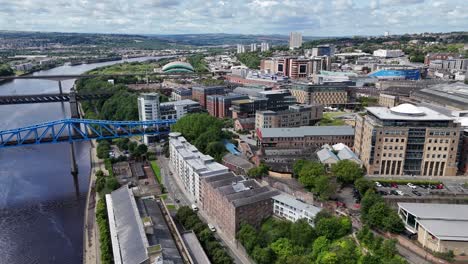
x: 175, y: 191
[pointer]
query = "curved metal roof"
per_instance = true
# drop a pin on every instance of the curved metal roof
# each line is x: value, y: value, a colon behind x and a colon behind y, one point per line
x: 178, y: 66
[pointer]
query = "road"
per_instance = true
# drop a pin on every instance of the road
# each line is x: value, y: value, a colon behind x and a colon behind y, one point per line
x: 175, y: 191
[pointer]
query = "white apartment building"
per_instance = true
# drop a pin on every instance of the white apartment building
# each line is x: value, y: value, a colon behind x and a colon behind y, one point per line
x: 191, y: 165
x: 253, y: 47
x: 177, y: 109
x: 264, y: 47
x: 295, y: 40
x: 292, y: 209
x: 240, y: 48
x: 148, y: 109
x: 388, y: 53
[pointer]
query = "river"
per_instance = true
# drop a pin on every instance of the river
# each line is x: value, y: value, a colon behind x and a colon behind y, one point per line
x: 41, y: 219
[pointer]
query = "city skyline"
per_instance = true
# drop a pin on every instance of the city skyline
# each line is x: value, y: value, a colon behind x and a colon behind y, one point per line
x: 323, y: 18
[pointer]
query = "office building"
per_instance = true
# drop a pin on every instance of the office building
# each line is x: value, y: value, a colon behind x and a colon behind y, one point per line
x: 438, y: 56
x: 310, y: 137
x: 191, y: 165
x: 181, y: 94
x: 449, y: 64
x: 439, y: 227
x: 138, y: 230
x: 264, y: 47
x: 275, y: 100
x: 294, y: 116
x: 407, y: 140
x: 253, y: 47
x: 384, y: 53
x: 292, y: 209
x: 177, y: 109
x: 24, y: 67
x: 295, y: 67
x: 220, y: 105
x: 327, y: 95
x: 230, y: 200
x: 246, y: 76
x: 295, y: 40
x: 323, y: 50
x: 200, y: 93
x: 240, y: 48
x: 388, y: 100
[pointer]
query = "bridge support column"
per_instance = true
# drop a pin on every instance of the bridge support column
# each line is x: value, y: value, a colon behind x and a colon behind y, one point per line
x: 74, y: 112
x: 60, y: 87
x: 74, y: 169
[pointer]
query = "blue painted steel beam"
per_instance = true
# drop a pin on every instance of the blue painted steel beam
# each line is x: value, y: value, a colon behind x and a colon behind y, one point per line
x: 75, y: 130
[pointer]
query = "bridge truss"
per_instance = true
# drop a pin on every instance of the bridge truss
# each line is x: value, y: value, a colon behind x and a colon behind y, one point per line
x: 75, y: 130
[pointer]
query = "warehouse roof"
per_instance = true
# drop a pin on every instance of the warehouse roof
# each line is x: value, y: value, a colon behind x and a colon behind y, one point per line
x: 437, y: 211
x: 307, y: 131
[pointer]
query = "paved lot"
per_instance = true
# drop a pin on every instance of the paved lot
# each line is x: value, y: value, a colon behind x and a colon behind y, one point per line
x: 449, y: 188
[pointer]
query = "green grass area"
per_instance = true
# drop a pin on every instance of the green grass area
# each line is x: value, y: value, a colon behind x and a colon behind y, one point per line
x: 129, y: 67
x: 163, y: 196
x: 154, y: 249
x: 332, y: 114
x: 171, y: 207
x: 157, y: 171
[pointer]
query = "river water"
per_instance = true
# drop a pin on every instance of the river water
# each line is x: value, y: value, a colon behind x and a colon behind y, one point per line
x: 41, y: 219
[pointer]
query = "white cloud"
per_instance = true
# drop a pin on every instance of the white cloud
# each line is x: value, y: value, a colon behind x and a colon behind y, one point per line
x: 318, y: 17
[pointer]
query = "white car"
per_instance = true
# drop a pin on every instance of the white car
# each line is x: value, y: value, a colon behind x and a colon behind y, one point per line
x: 400, y: 192
x: 378, y: 184
x: 412, y: 186
x: 194, y: 207
x: 212, y: 228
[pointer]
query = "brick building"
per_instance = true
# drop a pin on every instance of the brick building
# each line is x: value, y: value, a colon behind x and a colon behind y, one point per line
x: 220, y: 105
x: 295, y: 67
x: 181, y: 94
x: 310, y: 137
x: 388, y: 100
x: 295, y: 116
x: 230, y: 200
x: 200, y: 93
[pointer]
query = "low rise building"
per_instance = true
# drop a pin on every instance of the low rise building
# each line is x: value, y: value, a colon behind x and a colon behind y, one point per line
x: 311, y: 137
x: 451, y: 95
x: 190, y: 165
x: 439, y: 227
x: 292, y: 209
x: 295, y: 116
x: 177, y: 109
x: 384, y: 53
x: 327, y: 95
x: 230, y: 200
x: 139, y: 233
x: 238, y: 164
x: 388, y: 100
x: 407, y: 140
x: 181, y: 94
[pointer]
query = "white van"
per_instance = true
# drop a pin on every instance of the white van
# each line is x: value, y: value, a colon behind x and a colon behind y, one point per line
x: 194, y: 207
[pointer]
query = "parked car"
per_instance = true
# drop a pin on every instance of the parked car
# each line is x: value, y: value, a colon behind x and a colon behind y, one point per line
x: 440, y: 186
x: 412, y: 186
x: 212, y: 228
x: 416, y: 193
x: 383, y: 193
x: 394, y: 185
x: 378, y: 184
x: 400, y: 192
x: 194, y: 207
x: 393, y: 192
x: 177, y: 200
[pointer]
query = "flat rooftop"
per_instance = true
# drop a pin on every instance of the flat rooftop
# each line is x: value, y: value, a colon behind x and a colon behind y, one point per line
x: 195, y: 249
x: 304, y: 131
x: 180, y: 102
x: 437, y: 211
x: 407, y: 112
x: 290, y: 200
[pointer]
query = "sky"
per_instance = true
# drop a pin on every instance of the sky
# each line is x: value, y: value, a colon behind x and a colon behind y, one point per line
x: 311, y: 17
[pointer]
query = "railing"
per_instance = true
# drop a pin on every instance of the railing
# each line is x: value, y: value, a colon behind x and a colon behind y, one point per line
x: 73, y: 130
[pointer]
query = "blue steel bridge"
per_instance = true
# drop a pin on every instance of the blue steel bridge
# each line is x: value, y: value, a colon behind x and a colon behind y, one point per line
x: 76, y: 130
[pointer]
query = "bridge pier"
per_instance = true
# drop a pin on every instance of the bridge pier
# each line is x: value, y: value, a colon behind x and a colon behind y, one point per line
x: 60, y: 87
x: 74, y: 169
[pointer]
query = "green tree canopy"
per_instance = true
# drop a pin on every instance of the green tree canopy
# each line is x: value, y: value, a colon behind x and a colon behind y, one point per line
x: 347, y: 171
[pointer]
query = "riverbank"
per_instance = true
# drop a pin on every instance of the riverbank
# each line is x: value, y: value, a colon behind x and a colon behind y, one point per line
x: 91, y: 253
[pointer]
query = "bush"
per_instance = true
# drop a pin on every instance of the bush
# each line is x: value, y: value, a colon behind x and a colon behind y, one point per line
x: 377, y: 214
x: 104, y: 233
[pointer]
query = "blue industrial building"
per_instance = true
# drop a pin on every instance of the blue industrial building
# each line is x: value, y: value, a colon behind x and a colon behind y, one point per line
x: 407, y: 74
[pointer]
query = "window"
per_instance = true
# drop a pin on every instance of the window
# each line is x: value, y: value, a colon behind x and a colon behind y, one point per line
x: 303, y: 69
x: 430, y: 140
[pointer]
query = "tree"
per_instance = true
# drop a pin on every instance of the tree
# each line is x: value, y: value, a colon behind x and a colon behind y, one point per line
x: 334, y: 227
x: 282, y: 247
x: 297, y: 167
x: 362, y: 185
x: 6, y: 70
x: 321, y: 215
x: 310, y: 172
x: 388, y: 249
x: 259, y: 171
x: 247, y: 235
x: 262, y: 255
x: 103, y: 149
x: 324, y: 187
x: 215, y: 149
x: 347, y: 171
x: 141, y: 150
x: 393, y: 223
x: 301, y: 233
